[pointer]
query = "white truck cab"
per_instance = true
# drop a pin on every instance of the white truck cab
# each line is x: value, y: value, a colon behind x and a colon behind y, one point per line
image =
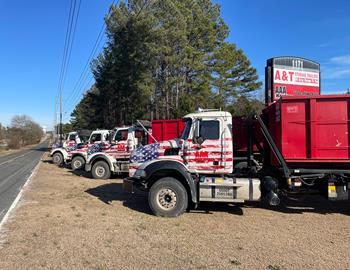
x: 77, y: 157
x: 116, y: 158
x: 75, y: 144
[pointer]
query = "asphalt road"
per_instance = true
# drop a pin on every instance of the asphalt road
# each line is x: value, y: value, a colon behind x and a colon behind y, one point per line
x: 14, y: 171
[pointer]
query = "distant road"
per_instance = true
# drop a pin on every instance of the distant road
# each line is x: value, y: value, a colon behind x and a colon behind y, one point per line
x: 14, y: 171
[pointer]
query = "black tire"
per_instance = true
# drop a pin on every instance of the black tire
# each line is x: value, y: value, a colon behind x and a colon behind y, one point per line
x: 57, y: 159
x: 168, y: 197
x: 101, y: 170
x: 78, y: 163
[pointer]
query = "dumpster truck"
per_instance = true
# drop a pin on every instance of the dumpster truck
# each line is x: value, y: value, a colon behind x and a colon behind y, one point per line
x: 297, y: 143
x: 78, y: 157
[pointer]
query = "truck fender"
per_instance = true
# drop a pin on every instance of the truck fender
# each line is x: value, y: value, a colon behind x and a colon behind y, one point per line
x: 78, y: 154
x: 60, y: 150
x: 98, y: 156
x: 169, y: 167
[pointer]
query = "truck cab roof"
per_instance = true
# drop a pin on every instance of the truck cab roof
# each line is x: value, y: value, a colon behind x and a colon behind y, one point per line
x: 208, y: 114
x: 100, y: 131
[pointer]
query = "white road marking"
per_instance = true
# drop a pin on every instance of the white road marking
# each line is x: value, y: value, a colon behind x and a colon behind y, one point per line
x: 16, y: 158
x: 15, y: 202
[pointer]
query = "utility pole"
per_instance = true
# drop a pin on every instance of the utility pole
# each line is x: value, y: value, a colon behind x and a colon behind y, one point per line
x: 60, y: 129
x: 55, y: 118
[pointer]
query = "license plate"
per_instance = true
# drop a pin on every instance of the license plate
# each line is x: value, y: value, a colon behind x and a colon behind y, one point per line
x: 224, y: 192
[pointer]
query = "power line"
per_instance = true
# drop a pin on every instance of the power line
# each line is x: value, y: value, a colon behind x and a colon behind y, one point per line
x: 67, y: 50
x: 79, y: 85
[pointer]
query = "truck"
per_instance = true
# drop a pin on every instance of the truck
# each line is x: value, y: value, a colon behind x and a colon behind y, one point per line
x: 296, y: 144
x: 80, y: 142
x: 115, y: 160
x: 78, y: 157
x: 66, y: 140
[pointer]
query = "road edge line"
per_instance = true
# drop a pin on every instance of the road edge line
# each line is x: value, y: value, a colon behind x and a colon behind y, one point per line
x: 19, y: 196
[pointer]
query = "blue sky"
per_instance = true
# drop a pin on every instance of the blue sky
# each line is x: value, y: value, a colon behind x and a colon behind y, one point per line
x: 32, y: 37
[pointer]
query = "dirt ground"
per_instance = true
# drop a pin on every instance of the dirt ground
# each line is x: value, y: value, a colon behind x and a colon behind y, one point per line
x: 65, y: 221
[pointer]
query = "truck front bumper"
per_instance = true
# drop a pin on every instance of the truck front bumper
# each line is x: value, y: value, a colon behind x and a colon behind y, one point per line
x: 128, y: 185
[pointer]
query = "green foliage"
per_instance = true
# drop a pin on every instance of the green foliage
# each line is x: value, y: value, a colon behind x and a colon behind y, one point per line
x: 88, y: 113
x: 65, y: 128
x: 164, y: 59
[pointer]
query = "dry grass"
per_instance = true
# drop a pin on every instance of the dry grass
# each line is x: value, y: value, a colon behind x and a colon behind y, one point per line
x: 71, y: 222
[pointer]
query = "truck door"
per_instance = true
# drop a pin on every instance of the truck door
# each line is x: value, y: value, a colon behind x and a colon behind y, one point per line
x: 208, y: 149
x: 120, y: 140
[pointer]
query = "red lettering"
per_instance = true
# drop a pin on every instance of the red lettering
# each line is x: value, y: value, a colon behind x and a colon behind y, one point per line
x: 284, y: 76
x: 277, y: 76
x: 291, y: 73
x: 201, y: 156
x: 121, y: 147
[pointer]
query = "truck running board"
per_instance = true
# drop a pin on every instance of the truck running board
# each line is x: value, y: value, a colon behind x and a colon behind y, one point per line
x: 221, y: 200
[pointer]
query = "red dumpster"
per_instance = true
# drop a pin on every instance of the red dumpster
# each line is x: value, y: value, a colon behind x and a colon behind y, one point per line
x: 163, y: 130
x: 311, y: 129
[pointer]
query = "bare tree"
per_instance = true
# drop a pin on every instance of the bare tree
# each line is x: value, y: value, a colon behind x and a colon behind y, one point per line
x: 2, y: 132
x: 24, y: 131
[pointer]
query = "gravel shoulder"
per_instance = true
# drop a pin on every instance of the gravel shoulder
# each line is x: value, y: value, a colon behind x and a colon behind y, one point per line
x: 65, y: 221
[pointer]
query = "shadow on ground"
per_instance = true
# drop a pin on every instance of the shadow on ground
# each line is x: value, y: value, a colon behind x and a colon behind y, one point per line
x: 78, y: 172
x: 108, y: 193
x: 138, y: 202
x: 41, y: 149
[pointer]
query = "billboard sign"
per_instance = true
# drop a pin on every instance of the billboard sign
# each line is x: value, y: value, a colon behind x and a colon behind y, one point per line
x: 291, y: 76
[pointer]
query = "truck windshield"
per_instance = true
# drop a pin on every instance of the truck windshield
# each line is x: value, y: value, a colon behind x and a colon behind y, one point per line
x: 187, y: 129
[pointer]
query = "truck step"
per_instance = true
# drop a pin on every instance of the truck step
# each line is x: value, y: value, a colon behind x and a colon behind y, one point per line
x: 220, y: 185
x: 221, y: 200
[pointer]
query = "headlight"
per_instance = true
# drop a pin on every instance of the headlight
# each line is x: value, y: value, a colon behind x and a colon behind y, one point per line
x: 140, y: 173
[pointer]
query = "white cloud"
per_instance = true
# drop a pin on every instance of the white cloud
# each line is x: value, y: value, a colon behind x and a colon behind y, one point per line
x: 341, y: 60
x: 336, y: 73
x: 338, y: 67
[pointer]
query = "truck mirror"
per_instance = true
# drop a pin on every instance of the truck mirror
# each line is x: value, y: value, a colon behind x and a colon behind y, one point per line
x: 197, y: 138
x: 196, y: 128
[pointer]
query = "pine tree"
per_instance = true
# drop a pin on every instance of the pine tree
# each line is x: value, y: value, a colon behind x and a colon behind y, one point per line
x: 163, y: 59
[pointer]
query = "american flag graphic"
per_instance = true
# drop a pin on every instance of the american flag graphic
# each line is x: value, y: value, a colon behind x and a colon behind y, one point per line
x: 145, y: 153
x: 56, y: 145
x: 72, y: 148
x: 94, y: 149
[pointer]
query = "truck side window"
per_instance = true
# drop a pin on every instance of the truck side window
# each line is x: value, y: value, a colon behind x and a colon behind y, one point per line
x: 122, y: 135
x: 96, y: 137
x: 209, y: 129
x: 71, y: 138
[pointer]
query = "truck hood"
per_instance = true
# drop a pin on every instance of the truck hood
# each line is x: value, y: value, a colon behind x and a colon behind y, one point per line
x: 144, y: 155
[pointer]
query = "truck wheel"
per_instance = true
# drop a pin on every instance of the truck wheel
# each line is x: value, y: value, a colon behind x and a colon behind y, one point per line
x: 57, y: 159
x: 168, y: 198
x: 101, y: 170
x: 78, y: 163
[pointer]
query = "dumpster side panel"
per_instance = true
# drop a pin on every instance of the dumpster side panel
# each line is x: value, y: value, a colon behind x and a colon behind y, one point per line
x: 311, y: 129
x: 331, y: 135
x: 163, y: 130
